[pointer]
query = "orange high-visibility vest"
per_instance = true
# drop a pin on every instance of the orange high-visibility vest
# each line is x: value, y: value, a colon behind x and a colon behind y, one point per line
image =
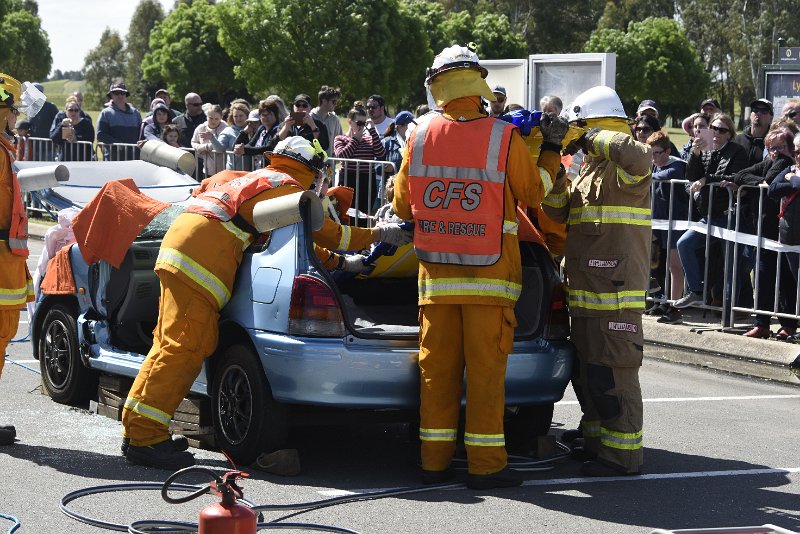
x: 18, y: 232
x: 221, y: 200
x: 457, y: 176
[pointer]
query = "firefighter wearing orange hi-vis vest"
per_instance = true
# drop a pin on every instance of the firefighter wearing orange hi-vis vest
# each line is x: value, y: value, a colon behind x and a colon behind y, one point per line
x: 460, y: 181
x: 16, y: 287
x: 197, y: 265
x: 607, y: 263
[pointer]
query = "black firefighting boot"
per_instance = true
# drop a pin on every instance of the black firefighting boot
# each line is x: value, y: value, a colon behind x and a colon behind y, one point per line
x: 161, y: 456
x: 505, y: 478
x: 179, y: 443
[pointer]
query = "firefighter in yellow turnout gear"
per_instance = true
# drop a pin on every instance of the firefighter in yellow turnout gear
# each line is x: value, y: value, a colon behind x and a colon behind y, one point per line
x: 196, y: 266
x: 460, y: 180
x: 16, y: 287
x: 607, y: 266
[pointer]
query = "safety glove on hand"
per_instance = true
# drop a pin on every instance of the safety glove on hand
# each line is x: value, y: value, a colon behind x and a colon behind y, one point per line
x: 393, y: 234
x: 354, y: 264
x: 553, y: 128
x: 586, y: 141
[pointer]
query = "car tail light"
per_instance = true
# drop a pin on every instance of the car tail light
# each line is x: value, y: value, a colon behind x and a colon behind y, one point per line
x: 314, y: 310
x: 557, y: 326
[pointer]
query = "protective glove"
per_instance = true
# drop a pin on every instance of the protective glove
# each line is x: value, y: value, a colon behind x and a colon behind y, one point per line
x: 354, y: 264
x: 393, y: 234
x: 553, y: 128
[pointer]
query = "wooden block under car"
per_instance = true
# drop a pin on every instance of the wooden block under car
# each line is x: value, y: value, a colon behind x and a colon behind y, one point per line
x: 113, y: 383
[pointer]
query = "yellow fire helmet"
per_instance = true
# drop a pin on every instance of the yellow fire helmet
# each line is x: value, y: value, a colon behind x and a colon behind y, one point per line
x: 10, y: 91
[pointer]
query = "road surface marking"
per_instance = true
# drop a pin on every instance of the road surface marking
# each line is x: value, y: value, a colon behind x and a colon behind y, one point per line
x: 593, y: 480
x: 694, y: 399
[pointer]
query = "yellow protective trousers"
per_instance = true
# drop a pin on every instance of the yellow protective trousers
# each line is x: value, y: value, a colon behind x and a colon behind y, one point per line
x: 606, y: 382
x: 185, y: 335
x: 9, y: 323
x: 454, y: 337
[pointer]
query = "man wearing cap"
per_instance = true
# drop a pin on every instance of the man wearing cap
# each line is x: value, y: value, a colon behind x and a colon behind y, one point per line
x: 395, y: 145
x: 710, y: 107
x: 647, y: 107
x: 462, y: 177
x: 163, y: 94
x: 376, y: 109
x: 498, y: 107
x: 118, y: 123
x: 752, y: 138
x: 309, y: 128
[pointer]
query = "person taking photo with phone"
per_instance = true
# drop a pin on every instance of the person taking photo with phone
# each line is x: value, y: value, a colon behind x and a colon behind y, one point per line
x: 300, y: 122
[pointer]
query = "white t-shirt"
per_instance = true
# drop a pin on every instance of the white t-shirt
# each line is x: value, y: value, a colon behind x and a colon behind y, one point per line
x: 381, y: 127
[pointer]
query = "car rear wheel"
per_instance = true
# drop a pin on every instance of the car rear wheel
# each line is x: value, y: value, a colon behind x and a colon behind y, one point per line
x: 64, y: 376
x: 247, y: 420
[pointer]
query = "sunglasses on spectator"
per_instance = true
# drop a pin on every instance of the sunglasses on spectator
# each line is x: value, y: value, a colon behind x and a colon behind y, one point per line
x: 301, y: 104
x: 194, y: 103
x: 720, y: 129
x: 792, y: 114
x: 73, y: 109
x: 500, y: 98
x: 763, y: 111
x: 361, y: 123
x: 776, y: 148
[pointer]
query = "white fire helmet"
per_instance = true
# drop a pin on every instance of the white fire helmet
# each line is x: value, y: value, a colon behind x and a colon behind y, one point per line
x: 452, y: 58
x: 300, y: 149
x: 595, y: 103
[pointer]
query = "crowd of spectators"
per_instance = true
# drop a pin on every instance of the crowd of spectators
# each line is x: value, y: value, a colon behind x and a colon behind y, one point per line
x: 745, y: 182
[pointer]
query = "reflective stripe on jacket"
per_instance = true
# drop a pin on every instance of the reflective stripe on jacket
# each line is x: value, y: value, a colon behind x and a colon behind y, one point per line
x: 457, y: 175
x: 608, y: 211
x: 221, y: 201
x: 18, y: 227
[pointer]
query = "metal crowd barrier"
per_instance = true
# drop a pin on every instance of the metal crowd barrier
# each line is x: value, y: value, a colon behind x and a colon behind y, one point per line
x: 375, y: 193
x: 735, y: 239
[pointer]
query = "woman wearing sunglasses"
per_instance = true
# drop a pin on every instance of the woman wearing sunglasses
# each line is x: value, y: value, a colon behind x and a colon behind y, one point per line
x: 362, y: 141
x: 70, y: 128
x: 713, y: 160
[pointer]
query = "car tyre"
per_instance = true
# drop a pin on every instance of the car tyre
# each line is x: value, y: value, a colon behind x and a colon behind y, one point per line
x: 64, y: 376
x: 247, y: 420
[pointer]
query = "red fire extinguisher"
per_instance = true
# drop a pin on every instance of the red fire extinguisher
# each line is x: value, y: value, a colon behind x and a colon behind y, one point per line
x: 227, y: 516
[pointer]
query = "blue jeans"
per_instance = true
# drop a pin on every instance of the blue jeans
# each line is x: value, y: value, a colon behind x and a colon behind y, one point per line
x: 688, y: 245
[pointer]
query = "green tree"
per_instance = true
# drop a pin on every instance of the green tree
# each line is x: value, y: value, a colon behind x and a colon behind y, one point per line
x: 103, y: 65
x: 137, y: 44
x: 619, y: 13
x: 655, y: 60
x: 431, y: 15
x: 363, y: 46
x: 186, y: 54
x: 26, y: 47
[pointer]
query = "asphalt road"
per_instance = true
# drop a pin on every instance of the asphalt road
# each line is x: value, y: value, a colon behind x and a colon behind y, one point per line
x: 721, y: 450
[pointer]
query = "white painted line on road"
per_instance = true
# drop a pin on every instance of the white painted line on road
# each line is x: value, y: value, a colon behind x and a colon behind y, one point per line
x: 594, y: 480
x: 693, y: 399
x: 665, y: 476
x: 23, y: 361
